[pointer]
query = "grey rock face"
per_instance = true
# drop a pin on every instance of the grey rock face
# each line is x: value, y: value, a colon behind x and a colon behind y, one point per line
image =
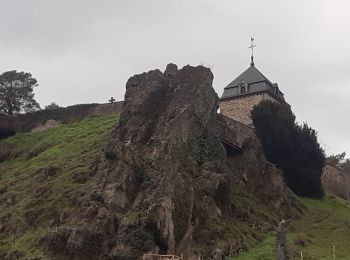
x: 147, y: 157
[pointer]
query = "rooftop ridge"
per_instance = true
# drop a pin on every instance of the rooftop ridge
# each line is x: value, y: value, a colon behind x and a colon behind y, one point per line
x: 251, y: 75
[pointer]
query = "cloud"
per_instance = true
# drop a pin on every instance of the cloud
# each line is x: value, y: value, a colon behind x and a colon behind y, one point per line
x: 85, y: 50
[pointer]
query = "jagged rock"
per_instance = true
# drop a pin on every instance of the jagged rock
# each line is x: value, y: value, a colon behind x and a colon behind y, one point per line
x: 166, y: 184
x: 74, y: 242
x: 162, y: 117
x: 49, y: 124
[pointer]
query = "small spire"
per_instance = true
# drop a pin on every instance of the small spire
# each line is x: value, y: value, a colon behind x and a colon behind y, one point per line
x: 252, y: 48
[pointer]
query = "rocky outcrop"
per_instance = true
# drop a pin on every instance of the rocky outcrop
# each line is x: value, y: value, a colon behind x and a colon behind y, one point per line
x: 167, y: 185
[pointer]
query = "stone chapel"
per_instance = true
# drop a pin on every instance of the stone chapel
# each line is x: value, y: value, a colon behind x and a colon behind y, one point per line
x: 246, y: 91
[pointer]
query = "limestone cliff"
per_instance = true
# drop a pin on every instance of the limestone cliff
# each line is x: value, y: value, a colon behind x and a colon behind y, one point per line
x: 166, y: 184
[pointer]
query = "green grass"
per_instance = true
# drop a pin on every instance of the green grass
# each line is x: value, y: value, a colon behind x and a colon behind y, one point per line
x: 325, y: 223
x: 47, y: 176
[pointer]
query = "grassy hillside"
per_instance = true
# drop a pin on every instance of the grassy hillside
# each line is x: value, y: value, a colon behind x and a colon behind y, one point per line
x: 43, y: 177
x: 325, y: 223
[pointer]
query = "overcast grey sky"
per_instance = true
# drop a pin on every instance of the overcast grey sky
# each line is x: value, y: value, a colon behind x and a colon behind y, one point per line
x: 83, y: 51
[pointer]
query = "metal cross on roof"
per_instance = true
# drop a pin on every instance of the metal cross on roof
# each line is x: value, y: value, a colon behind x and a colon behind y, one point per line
x: 111, y: 100
x: 252, y: 48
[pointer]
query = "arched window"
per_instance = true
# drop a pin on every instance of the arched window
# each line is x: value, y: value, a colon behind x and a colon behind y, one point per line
x: 243, y: 88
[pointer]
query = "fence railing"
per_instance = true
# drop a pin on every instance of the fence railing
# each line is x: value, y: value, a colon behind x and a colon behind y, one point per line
x: 227, y: 134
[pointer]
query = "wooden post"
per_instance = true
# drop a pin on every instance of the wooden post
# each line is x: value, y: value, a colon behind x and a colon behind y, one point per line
x: 301, y: 255
x: 333, y: 252
x: 182, y: 256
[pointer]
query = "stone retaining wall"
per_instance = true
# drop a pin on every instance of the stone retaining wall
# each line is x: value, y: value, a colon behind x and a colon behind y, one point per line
x: 336, y: 181
x: 27, y: 122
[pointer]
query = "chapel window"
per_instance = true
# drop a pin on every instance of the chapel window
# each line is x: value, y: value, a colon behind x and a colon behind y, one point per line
x: 243, y: 88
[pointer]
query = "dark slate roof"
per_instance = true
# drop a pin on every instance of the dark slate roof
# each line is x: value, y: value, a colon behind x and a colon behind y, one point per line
x: 255, y: 81
x: 250, y: 75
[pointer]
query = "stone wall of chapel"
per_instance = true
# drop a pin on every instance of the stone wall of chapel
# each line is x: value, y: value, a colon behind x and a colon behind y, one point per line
x: 239, y: 108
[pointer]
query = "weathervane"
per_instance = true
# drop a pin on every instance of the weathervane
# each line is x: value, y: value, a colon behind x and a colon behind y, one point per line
x: 252, y: 48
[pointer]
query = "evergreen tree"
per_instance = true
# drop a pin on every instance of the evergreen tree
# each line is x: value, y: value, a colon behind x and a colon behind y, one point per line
x: 293, y: 148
